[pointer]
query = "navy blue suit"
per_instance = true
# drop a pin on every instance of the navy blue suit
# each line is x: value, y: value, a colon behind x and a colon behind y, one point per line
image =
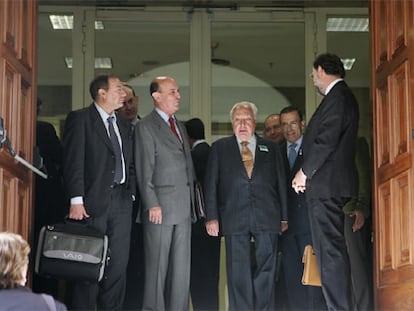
x: 329, y: 165
x: 205, y: 249
x: 294, y: 241
x: 247, y: 208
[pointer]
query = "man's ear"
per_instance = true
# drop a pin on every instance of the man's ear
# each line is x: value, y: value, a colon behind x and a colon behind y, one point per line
x: 101, y: 92
x: 156, y: 96
x: 320, y: 70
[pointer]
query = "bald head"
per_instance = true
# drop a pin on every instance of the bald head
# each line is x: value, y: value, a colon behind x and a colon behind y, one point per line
x: 272, y: 128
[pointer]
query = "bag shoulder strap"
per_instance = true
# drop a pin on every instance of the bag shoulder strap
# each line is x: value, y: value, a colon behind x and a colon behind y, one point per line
x: 49, y: 301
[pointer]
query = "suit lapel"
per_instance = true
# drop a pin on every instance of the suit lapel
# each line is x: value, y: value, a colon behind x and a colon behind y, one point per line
x: 259, y: 154
x: 99, y: 126
x: 165, y: 129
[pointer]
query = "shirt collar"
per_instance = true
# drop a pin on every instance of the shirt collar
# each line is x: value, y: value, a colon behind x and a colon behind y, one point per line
x: 331, y: 85
x: 163, y: 115
x: 252, y: 140
x: 103, y: 114
x: 197, y: 142
x: 297, y: 142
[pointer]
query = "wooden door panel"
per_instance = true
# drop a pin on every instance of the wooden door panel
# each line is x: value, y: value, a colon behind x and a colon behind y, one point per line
x: 400, y: 108
x: 383, y: 125
x: 380, y: 36
x: 18, y: 39
x: 392, y: 75
x: 398, y: 33
x: 383, y: 213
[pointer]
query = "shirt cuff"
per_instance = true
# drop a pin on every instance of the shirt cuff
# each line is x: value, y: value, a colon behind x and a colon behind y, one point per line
x: 76, y: 200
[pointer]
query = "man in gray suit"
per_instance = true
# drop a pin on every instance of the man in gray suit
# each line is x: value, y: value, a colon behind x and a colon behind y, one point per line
x: 165, y: 179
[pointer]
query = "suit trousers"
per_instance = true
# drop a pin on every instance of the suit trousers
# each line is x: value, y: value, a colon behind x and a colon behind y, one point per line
x: 360, y: 259
x: 247, y: 289
x: 167, y: 254
x: 327, y: 226
x: 116, y: 223
x: 205, y: 268
x: 311, y: 296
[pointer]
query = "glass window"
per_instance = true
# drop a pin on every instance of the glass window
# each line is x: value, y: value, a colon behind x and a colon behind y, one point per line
x: 252, y: 61
x: 54, y: 77
x: 141, y: 51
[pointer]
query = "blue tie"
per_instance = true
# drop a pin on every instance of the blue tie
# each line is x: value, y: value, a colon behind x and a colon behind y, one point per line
x: 117, y: 150
x: 292, y: 154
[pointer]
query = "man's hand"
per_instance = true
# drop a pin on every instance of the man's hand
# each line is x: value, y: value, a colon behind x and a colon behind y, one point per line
x: 155, y: 215
x: 359, y: 220
x: 212, y: 227
x: 78, y: 212
x: 299, y: 182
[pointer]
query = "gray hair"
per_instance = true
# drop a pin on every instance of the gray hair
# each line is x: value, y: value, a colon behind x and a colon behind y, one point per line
x: 244, y: 104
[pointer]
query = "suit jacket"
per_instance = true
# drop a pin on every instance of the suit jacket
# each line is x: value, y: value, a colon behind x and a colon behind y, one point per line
x: 200, y: 155
x: 329, y: 146
x: 234, y: 199
x: 363, y: 163
x: 22, y: 298
x: 297, y: 207
x: 164, y: 170
x: 89, y: 160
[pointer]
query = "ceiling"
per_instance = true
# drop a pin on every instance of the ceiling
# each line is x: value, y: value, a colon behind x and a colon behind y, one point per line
x: 212, y: 3
x: 273, y: 54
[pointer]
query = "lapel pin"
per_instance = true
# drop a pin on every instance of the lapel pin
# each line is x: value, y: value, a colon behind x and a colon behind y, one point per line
x: 263, y: 148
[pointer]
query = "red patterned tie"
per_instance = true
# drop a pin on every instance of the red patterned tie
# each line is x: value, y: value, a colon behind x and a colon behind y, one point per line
x: 173, y: 128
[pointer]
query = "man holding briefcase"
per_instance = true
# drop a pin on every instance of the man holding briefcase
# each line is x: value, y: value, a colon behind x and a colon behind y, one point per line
x: 99, y: 180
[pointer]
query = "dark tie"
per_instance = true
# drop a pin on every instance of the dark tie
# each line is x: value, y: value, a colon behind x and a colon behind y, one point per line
x: 173, y: 128
x: 247, y: 158
x: 117, y: 150
x: 292, y: 154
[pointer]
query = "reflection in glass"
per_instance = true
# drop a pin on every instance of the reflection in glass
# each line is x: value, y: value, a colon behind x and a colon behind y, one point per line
x: 257, y: 56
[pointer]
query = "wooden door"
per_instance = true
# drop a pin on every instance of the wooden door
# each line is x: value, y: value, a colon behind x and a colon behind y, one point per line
x: 18, y: 29
x: 392, y: 43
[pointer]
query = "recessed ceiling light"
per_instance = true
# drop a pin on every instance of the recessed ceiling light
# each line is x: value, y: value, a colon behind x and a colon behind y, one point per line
x: 69, y: 62
x: 99, y: 25
x: 347, y: 24
x: 100, y: 62
x: 60, y: 22
x: 348, y: 63
x: 103, y: 63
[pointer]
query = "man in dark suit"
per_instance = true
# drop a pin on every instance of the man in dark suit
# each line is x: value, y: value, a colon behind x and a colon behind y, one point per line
x: 135, y: 271
x: 245, y: 189
x: 358, y: 230
x: 205, y: 249
x: 100, y: 182
x: 166, y: 186
x: 328, y: 175
x: 299, y: 234
x: 50, y: 203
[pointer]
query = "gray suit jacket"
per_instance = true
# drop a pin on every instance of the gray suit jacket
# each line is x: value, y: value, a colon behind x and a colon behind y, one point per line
x: 165, y: 172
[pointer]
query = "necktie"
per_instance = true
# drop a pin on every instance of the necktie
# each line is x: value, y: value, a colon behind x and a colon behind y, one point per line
x: 117, y: 150
x: 173, y: 128
x: 247, y: 158
x: 292, y: 154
